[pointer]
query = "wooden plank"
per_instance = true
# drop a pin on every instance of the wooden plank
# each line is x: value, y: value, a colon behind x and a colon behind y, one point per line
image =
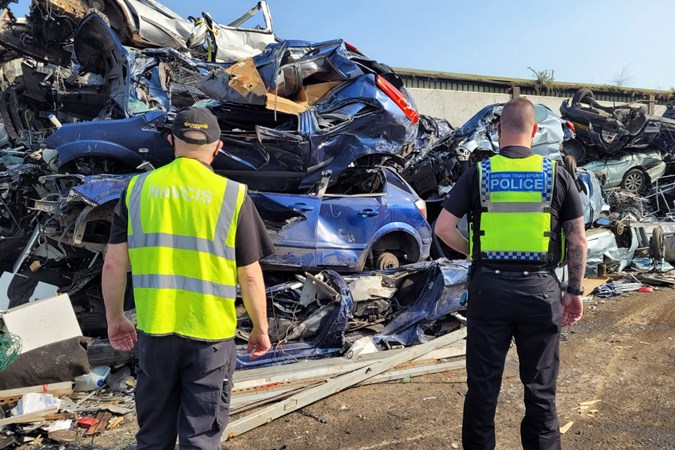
x: 290, y: 373
x: 56, y: 389
x: 337, y: 384
x: 102, y: 420
x: 415, y: 372
x: 245, y: 401
x: 302, y: 378
x: 35, y: 416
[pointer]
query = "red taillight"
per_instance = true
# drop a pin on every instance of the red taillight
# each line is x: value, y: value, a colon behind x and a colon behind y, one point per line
x: 398, y: 98
x: 571, y: 125
x: 352, y: 48
x: 422, y: 206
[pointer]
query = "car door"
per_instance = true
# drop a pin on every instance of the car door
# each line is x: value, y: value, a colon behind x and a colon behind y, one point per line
x: 346, y: 225
x: 291, y: 221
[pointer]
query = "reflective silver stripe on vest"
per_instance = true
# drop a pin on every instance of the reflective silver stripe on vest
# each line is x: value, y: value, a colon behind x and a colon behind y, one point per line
x: 216, y: 246
x: 154, y: 281
x: 518, y: 207
x: 134, y: 210
x: 515, y: 256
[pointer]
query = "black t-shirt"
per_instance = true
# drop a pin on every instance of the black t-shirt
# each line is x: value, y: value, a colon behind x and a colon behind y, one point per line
x: 465, y: 194
x: 252, y: 241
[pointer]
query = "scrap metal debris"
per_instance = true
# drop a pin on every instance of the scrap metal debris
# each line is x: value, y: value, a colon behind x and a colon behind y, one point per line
x: 346, y: 174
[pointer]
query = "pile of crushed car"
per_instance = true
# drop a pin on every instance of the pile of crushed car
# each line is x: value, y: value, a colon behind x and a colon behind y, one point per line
x: 345, y: 172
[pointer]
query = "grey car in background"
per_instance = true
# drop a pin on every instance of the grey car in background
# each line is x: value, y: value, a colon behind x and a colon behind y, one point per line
x: 479, y: 133
x: 633, y: 171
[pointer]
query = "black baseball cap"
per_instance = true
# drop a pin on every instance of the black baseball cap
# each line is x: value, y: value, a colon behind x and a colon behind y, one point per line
x: 196, y: 119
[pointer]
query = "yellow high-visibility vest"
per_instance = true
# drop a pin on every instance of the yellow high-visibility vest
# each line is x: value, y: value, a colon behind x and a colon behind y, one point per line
x: 181, y: 237
x: 515, y: 217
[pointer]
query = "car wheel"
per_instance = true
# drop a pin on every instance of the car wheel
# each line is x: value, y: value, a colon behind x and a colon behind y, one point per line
x: 634, y: 181
x: 387, y: 260
x: 643, y: 242
x: 574, y: 148
x: 580, y: 96
x: 570, y: 163
x: 656, y: 243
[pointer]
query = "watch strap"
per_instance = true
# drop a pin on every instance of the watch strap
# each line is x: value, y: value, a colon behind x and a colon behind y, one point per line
x: 575, y: 291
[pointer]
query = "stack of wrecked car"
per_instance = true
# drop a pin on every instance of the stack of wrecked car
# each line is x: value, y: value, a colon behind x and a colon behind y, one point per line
x: 628, y: 147
x: 314, y: 130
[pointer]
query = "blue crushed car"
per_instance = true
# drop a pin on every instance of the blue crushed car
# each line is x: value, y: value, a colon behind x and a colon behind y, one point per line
x: 286, y: 115
x: 370, y: 218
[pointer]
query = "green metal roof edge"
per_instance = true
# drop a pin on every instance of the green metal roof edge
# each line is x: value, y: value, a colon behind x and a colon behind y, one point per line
x: 526, y: 82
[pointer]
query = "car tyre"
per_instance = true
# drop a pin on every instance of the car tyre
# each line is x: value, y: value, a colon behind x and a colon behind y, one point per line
x: 574, y: 148
x: 386, y: 261
x: 634, y: 181
x: 570, y: 163
x: 580, y: 96
x: 656, y: 243
x: 643, y: 241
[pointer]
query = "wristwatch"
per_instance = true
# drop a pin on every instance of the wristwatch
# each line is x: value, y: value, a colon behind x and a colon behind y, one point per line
x: 573, y: 291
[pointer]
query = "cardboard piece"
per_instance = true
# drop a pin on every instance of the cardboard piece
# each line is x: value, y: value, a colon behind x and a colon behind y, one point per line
x: 245, y: 79
x: 42, y: 322
x: 284, y: 105
x: 589, y: 284
x: 315, y: 92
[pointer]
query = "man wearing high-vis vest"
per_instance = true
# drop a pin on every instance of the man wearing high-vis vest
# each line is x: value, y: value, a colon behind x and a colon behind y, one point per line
x: 524, y: 217
x: 189, y: 238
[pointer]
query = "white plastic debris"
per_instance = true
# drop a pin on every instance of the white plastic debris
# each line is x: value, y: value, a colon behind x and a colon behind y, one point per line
x: 58, y: 425
x: 362, y: 346
x: 34, y: 401
x: 92, y: 380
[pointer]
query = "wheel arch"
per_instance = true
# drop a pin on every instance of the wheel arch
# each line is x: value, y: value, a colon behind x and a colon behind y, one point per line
x: 400, y: 239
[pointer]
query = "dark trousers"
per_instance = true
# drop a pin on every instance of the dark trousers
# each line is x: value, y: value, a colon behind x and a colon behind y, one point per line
x: 183, y: 389
x: 528, y: 309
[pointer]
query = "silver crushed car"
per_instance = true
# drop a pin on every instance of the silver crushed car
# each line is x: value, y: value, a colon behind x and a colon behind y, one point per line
x: 633, y: 171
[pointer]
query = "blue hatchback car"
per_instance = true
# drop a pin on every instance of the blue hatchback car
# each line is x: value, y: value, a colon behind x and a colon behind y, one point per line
x: 368, y: 219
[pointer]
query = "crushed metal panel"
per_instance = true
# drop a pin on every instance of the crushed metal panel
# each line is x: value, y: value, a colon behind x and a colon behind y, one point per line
x: 315, y: 289
x: 365, y: 288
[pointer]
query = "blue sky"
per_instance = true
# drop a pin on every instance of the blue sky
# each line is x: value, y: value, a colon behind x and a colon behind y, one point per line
x: 586, y: 42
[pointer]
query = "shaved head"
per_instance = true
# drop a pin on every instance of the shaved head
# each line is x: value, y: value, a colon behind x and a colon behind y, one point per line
x: 517, y: 117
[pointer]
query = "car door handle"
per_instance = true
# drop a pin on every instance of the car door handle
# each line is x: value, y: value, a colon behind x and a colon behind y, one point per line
x: 368, y: 212
x: 303, y: 207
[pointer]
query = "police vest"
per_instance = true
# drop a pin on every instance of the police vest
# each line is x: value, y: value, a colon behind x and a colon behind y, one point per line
x: 515, y: 221
x: 181, y: 236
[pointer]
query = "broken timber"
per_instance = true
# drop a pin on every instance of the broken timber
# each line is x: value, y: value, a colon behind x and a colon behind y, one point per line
x: 56, y: 389
x: 256, y: 387
x: 243, y: 401
x: 337, y: 384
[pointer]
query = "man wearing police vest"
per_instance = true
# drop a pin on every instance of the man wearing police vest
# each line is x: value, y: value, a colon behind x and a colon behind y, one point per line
x: 189, y: 237
x: 524, y: 213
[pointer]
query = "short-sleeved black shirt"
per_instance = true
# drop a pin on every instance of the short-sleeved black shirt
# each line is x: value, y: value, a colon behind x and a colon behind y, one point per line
x: 252, y: 241
x: 465, y: 194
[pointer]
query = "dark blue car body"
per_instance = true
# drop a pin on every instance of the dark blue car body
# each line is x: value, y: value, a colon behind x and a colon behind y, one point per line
x: 355, y: 119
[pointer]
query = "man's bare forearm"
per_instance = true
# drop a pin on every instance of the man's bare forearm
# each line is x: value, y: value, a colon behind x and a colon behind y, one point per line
x: 446, y: 230
x: 114, y: 280
x: 577, y: 249
x: 253, y: 293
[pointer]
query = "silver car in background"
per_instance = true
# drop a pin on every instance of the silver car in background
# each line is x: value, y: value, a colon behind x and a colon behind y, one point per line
x: 633, y: 171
